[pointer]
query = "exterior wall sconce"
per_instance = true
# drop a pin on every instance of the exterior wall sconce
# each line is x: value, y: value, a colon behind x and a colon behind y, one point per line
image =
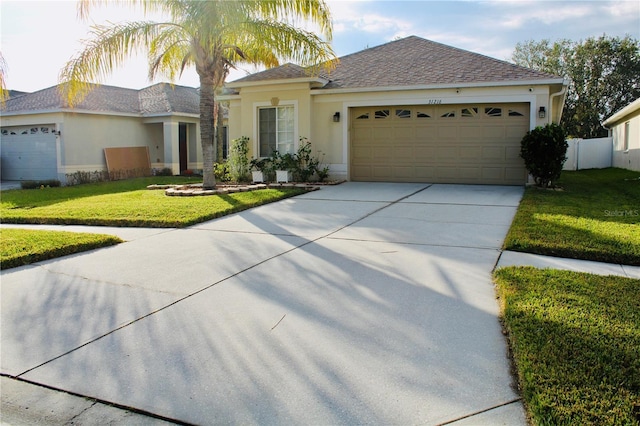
x: 542, y: 112
x: 336, y: 117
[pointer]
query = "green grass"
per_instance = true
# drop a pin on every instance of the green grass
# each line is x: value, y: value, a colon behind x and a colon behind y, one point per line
x: 21, y: 247
x: 575, y: 340
x: 595, y: 216
x: 126, y: 203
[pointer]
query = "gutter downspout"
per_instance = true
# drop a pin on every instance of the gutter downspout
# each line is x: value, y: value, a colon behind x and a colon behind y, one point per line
x: 561, y: 92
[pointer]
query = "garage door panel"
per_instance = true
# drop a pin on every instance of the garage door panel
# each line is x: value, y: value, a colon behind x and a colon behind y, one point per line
x: 403, y: 172
x: 447, y: 132
x: 382, y: 153
x: 493, y: 153
x: 425, y: 133
x: 29, y: 153
x: 444, y: 153
x: 450, y: 144
x: 470, y: 152
x: 514, y: 133
x: 382, y: 134
x: 404, y: 154
x: 512, y: 153
x: 493, y: 132
x: 425, y: 172
x: 515, y: 173
x: 470, y: 132
x: 470, y: 172
x: 448, y: 173
x: 404, y: 133
x: 362, y: 154
x: 382, y: 172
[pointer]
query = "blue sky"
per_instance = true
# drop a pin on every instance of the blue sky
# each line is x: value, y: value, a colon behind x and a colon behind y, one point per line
x: 38, y: 37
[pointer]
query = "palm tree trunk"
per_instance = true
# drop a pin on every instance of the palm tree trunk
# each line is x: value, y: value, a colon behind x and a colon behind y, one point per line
x: 219, y: 132
x: 207, y: 131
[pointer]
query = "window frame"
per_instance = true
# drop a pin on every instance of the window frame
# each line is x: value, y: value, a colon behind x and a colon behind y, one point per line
x: 625, y: 138
x: 257, y: 106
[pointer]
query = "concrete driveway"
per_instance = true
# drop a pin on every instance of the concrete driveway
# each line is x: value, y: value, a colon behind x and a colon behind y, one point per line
x: 358, y: 303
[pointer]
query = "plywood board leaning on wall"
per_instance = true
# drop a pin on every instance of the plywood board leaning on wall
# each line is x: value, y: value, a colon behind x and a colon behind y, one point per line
x: 128, y: 162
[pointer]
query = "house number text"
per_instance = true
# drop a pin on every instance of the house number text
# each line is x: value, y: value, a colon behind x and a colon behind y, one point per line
x: 434, y: 101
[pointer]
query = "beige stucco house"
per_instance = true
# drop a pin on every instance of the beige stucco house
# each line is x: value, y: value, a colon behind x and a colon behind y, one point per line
x: 624, y: 129
x: 411, y: 110
x: 42, y: 138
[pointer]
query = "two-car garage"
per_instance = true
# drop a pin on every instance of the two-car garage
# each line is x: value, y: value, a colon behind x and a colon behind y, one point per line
x: 469, y: 143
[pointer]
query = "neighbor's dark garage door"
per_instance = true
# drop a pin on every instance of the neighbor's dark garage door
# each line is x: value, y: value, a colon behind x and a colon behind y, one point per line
x: 477, y: 143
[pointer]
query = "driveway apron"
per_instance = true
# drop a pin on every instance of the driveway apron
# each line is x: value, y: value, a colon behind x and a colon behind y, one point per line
x: 358, y: 303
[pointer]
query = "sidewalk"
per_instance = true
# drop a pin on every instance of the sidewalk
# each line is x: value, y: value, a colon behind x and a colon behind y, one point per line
x: 513, y: 258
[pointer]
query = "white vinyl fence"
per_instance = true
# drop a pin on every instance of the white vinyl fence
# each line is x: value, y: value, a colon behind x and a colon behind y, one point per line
x: 589, y: 154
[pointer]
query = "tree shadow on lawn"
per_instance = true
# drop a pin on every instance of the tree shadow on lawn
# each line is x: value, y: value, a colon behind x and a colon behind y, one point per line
x: 573, y: 335
x: 547, y: 237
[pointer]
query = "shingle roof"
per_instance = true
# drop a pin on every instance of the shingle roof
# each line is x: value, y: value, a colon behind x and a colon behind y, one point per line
x: 285, y: 71
x: 159, y: 98
x: 414, y: 61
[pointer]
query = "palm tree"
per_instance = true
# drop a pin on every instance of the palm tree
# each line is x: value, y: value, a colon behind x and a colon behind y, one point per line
x: 4, y: 93
x: 212, y: 35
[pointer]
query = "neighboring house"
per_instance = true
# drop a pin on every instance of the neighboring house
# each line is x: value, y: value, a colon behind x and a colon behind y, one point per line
x: 42, y: 138
x: 624, y: 129
x: 411, y: 110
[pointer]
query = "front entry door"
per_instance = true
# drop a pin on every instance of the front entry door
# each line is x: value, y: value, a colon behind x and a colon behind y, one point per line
x: 182, y: 140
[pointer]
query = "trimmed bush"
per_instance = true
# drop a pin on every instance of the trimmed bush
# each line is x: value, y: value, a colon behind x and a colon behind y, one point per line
x: 544, y: 150
x: 39, y: 184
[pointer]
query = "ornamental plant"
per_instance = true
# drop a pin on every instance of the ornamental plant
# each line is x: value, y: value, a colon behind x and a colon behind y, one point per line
x: 238, y: 161
x: 544, y: 150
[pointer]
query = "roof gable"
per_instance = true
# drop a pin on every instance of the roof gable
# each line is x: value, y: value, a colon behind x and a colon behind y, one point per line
x: 413, y: 61
x: 285, y: 71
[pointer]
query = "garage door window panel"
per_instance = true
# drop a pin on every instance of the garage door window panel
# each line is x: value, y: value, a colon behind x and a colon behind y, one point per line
x: 493, y: 112
x: 276, y: 130
x: 381, y: 114
x: 403, y: 113
x: 469, y: 112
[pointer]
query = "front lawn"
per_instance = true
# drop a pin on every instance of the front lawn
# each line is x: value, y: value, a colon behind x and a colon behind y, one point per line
x: 126, y: 203
x: 575, y: 340
x: 595, y: 217
x: 22, y: 247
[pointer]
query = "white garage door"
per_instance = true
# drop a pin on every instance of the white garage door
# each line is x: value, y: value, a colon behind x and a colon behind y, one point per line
x: 477, y: 143
x: 28, y: 153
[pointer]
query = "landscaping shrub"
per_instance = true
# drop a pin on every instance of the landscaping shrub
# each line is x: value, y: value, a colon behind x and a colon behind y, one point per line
x: 221, y: 171
x: 80, y: 177
x: 305, y: 164
x: 39, y: 184
x: 544, y: 150
x: 238, y: 159
x: 302, y: 164
x: 166, y: 171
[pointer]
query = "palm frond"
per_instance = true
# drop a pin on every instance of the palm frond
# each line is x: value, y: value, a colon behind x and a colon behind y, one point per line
x: 260, y: 37
x: 4, y: 92
x: 109, y: 48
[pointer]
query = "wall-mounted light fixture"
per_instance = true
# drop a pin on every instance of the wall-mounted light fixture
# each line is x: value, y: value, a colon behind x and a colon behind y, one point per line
x: 336, y: 117
x: 542, y: 112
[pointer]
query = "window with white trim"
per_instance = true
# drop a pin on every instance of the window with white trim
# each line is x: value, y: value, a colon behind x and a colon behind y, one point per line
x: 625, y: 140
x: 276, y: 130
